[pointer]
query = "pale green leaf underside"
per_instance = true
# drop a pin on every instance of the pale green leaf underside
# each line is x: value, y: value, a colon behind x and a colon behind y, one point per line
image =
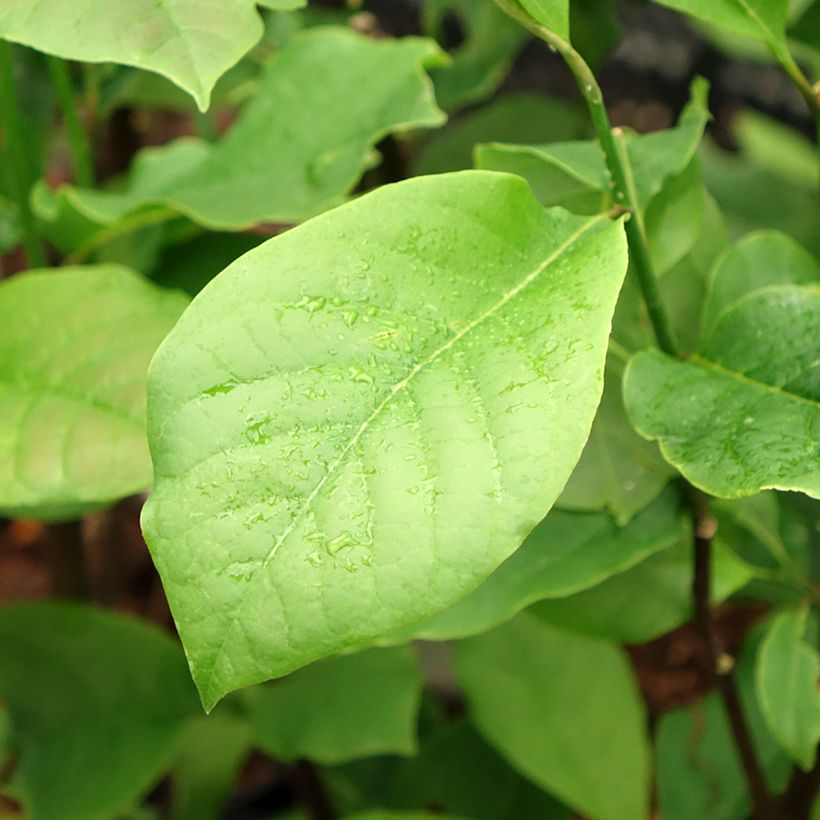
x: 762, y: 19
x: 355, y: 423
x: 744, y: 414
x: 299, y: 146
x: 786, y: 677
x: 574, y: 173
x: 552, y: 14
x: 562, y: 709
x: 74, y: 354
x: 340, y: 709
x: 96, y: 703
x: 564, y: 554
x: 191, y: 42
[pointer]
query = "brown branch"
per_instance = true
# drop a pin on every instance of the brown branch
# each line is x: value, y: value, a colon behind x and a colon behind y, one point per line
x: 721, y: 665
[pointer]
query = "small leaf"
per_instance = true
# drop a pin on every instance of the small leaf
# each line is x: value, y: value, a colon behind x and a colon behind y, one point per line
x: 72, y: 386
x: 275, y: 164
x: 96, y: 702
x: 565, y: 553
x: 395, y: 393
x: 786, y: 676
x: 340, y: 709
x: 191, y: 42
x: 739, y: 417
x: 564, y: 710
x: 552, y: 14
x: 482, y: 60
x: 758, y: 260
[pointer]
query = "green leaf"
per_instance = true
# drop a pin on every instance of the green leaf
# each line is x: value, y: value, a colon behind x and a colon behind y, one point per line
x: 191, y: 42
x: 565, y: 553
x: 564, y: 710
x: 699, y: 774
x: 96, y: 702
x: 275, y: 164
x: 574, y: 174
x: 341, y: 708
x: 524, y: 117
x: 762, y: 19
x: 395, y: 392
x: 758, y: 260
x: 738, y: 417
x: 619, y: 471
x: 786, y: 677
x: 552, y: 14
x: 482, y: 60
x: 646, y: 601
x: 213, y: 749
x: 72, y: 386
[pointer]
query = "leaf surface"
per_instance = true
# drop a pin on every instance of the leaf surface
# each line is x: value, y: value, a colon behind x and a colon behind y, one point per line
x: 191, y: 42
x: 741, y: 416
x: 298, y: 147
x: 356, y: 422
x: 96, y: 702
x: 786, y: 676
x: 74, y: 357
x: 564, y: 710
x: 552, y: 14
x: 340, y: 708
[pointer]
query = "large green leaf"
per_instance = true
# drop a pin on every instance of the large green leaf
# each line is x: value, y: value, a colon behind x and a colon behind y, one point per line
x: 619, y: 471
x: 758, y: 260
x: 192, y: 42
x: 574, y: 173
x: 96, y: 701
x: 74, y: 356
x: 786, y: 676
x: 564, y: 710
x: 299, y: 146
x: 340, y: 708
x: 740, y: 416
x: 358, y: 421
x: 564, y: 554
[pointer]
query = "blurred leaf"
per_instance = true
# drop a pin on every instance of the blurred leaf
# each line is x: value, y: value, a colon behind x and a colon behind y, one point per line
x: 72, y: 386
x: 275, y: 164
x: 213, y: 749
x: 758, y: 260
x: 335, y: 710
x: 619, y: 471
x: 786, y: 676
x: 648, y: 600
x: 417, y: 398
x: 191, y: 42
x: 523, y: 117
x: 737, y: 417
x: 564, y: 710
x: 565, y: 553
x: 96, y: 703
x: 491, y: 40
x: 699, y: 774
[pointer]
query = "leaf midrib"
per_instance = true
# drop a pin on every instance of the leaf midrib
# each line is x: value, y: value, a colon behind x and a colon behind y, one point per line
x: 394, y: 391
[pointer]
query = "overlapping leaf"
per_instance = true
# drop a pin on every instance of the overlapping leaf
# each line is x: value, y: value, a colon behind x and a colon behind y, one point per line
x: 741, y: 416
x: 358, y: 421
x: 299, y: 146
x: 74, y: 357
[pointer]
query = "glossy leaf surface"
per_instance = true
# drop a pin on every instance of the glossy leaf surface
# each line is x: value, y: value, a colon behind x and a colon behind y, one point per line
x: 72, y: 386
x: 358, y: 421
x: 564, y: 710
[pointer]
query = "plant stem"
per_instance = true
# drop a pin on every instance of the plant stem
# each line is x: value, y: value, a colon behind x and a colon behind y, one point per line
x: 620, y: 171
x: 83, y: 165
x: 720, y: 664
x: 14, y: 137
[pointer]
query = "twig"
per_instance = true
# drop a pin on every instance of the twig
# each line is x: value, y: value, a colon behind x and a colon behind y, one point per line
x: 65, y: 555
